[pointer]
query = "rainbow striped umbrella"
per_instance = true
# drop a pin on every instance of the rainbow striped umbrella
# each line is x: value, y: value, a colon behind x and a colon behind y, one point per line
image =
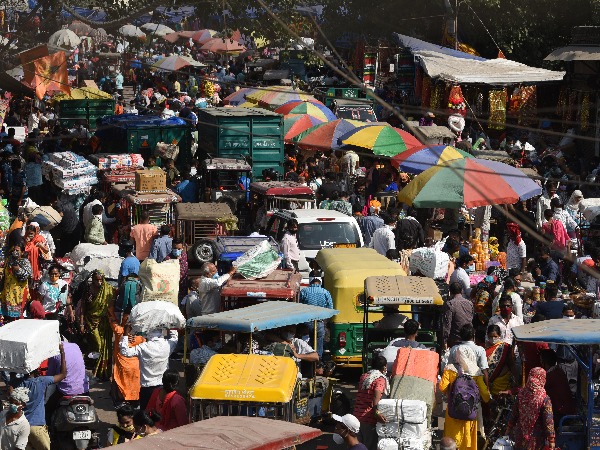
x: 238, y: 96
x: 273, y: 97
x: 294, y: 124
x: 326, y: 135
x: 469, y: 181
x: 312, y: 107
x: 381, y: 139
x: 416, y: 160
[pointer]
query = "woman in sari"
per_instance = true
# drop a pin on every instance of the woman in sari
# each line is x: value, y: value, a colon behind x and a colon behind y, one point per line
x: 17, y: 273
x: 94, y: 322
x: 531, y: 424
x: 35, y: 247
x: 169, y: 403
x: 499, y: 357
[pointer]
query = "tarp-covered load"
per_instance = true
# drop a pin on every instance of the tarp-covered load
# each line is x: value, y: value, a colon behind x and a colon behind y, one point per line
x: 26, y: 344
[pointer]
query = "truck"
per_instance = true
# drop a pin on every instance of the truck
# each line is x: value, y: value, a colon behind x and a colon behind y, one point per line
x: 251, y: 133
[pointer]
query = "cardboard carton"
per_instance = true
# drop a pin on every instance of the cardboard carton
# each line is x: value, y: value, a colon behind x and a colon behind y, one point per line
x: 150, y: 181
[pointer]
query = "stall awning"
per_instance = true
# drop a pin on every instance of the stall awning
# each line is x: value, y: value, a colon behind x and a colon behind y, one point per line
x: 575, y: 53
x: 561, y: 331
x: 459, y: 67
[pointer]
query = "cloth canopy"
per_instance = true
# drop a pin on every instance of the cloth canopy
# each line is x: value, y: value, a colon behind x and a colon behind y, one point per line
x: 575, y: 53
x: 459, y: 67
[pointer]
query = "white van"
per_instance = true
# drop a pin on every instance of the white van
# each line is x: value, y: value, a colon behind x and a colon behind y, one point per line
x: 317, y: 229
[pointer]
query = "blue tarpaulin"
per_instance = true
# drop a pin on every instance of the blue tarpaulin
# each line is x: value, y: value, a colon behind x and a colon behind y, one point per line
x: 124, y: 120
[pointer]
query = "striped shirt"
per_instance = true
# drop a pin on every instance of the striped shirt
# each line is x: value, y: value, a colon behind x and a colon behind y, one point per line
x: 317, y: 296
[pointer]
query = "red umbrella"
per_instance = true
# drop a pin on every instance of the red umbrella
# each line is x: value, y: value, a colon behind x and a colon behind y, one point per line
x: 294, y: 124
x: 220, y: 45
x: 203, y: 36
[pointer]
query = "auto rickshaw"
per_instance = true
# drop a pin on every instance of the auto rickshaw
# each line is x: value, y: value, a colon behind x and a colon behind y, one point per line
x: 423, y: 296
x: 161, y: 206
x: 581, y: 430
x: 267, y: 196
x: 226, y: 180
x: 251, y: 384
x: 346, y: 270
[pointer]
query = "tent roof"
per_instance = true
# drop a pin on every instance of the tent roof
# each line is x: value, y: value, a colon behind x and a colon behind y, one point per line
x: 460, y: 67
x: 560, y: 331
x: 575, y: 53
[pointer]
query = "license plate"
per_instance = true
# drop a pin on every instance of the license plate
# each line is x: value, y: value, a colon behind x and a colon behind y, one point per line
x: 85, y: 434
x: 345, y: 245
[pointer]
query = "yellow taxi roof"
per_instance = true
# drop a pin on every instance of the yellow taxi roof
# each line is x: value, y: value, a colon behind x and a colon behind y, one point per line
x: 247, y: 378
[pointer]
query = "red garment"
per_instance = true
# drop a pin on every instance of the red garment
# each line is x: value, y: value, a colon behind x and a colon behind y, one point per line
x: 33, y: 254
x: 363, y: 405
x: 513, y: 227
x: 36, y: 310
x: 173, y: 409
x: 557, y: 387
x: 530, y: 352
x: 557, y: 230
x: 530, y: 400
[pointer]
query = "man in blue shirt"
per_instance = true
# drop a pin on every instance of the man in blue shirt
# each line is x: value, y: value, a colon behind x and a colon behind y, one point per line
x: 187, y: 189
x: 162, y: 245
x: 316, y: 295
x: 34, y: 409
x: 130, y: 265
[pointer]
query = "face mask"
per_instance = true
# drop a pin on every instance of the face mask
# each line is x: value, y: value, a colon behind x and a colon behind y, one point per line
x: 215, y: 276
x: 99, y: 217
x: 176, y: 252
x: 293, y: 231
x: 507, y: 311
x: 306, y: 338
x: 494, y: 341
x: 129, y: 428
x: 289, y: 336
x: 338, y: 439
x: 13, y: 409
x: 569, y: 317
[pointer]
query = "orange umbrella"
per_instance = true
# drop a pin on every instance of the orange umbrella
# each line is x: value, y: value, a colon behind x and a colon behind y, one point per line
x: 203, y: 36
x: 221, y: 45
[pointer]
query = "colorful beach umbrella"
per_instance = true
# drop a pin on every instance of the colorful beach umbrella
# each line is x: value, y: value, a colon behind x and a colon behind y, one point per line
x: 294, y: 124
x: 237, y: 97
x: 202, y: 36
x: 273, y: 97
x: 314, y: 108
x: 381, y: 139
x: 470, y: 181
x: 416, y: 160
x: 326, y: 135
x: 176, y: 62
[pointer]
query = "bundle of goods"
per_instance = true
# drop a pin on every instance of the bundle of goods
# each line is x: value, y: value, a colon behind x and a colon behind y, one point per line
x: 156, y: 315
x: 429, y: 262
x: 166, y: 151
x: 414, y: 376
x: 27, y: 343
x: 258, y: 262
x: 92, y: 257
x: 70, y: 172
x: 160, y: 281
x: 105, y: 161
x: 406, y: 424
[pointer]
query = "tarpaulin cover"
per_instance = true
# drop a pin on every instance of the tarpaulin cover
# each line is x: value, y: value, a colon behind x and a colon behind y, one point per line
x: 560, y: 331
x: 26, y: 344
x: 84, y: 252
x: 417, y: 363
x: 134, y: 120
x: 264, y: 316
x: 148, y: 316
x: 258, y: 262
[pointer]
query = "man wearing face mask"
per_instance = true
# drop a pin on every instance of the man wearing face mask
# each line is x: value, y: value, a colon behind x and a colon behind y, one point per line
x: 94, y: 231
x: 565, y: 358
x: 14, y: 427
x: 162, y: 245
x: 209, y: 288
x: 383, y: 238
x: 178, y: 253
x: 506, y: 320
x: 346, y: 432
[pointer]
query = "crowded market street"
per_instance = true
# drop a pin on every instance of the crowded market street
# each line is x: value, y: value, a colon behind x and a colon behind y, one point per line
x: 274, y: 225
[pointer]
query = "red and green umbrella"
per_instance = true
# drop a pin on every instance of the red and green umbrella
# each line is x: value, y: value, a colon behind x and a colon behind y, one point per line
x: 381, y: 139
x: 326, y: 135
x: 294, y: 124
x: 313, y: 107
x: 470, y: 181
x: 418, y: 159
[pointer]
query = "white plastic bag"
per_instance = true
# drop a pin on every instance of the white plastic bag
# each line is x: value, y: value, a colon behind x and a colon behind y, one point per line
x: 387, y: 444
x: 431, y: 263
x: 155, y: 315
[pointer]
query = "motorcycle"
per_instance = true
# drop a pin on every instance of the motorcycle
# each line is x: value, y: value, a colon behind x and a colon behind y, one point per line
x: 74, y: 424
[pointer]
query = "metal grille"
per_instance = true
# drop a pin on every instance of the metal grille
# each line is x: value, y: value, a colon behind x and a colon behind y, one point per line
x: 205, y: 409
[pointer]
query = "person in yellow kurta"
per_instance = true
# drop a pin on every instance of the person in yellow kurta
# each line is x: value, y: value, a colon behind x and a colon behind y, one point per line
x: 464, y: 432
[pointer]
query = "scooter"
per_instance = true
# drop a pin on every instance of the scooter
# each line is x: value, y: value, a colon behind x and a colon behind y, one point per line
x: 74, y: 424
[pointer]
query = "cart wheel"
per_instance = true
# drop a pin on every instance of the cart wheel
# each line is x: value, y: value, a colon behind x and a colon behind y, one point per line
x: 204, y: 251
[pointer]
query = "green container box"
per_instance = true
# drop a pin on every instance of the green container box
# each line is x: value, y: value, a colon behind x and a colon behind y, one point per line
x: 240, y: 132
x: 70, y: 112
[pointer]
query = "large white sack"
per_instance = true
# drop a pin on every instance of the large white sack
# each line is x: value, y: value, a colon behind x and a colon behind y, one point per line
x: 405, y: 411
x: 387, y: 444
x: 155, y: 315
x: 109, y: 266
x: 401, y: 430
x: 160, y: 281
x: 431, y: 263
x: 417, y: 444
x: 91, y: 251
x: 26, y: 343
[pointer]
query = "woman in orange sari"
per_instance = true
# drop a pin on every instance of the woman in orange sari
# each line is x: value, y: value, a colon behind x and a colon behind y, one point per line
x: 126, y: 371
x: 169, y: 403
x: 35, y: 245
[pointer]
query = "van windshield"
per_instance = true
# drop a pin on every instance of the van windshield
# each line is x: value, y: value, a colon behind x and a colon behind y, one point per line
x: 318, y: 235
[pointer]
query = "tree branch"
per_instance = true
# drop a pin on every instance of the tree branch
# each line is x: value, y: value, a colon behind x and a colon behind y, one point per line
x: 113, y: 24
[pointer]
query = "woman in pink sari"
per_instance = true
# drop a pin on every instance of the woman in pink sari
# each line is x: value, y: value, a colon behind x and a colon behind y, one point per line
x: 555, y: 232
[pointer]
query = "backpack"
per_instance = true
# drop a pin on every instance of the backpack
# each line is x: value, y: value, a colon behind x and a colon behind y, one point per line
x: 130, y: 293
x: 463, y: 398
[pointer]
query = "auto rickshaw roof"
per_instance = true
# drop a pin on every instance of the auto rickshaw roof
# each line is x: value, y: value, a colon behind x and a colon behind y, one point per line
x: 402, y: 290
x: 264, y: 316
x: 227, y: 432
x: 128, y: 192
x: 226, y: 164
x: 247, y: 378
x: 280, y: 283
x: 352, y: 265
x: 280, y: 188
x: 203, y: 211
x: 561, y: 331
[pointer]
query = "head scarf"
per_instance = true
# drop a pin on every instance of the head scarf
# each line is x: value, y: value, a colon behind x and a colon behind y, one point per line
x: 516, y: 230
x: 530, y: 400
x: 466, y: 359
x: 573, y: 204
x: 20, y: 394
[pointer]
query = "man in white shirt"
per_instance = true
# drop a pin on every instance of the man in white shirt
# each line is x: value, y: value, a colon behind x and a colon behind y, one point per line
x: 14, y: 427
x: 300, y: 349
x: 544, y: 203
x: 87, y: 211
x: 467, y: 336
x: 289, y: 246
x: 506, y: 320
x: 209, y: 289
x: 460, y: 274
x: 516, y: 251
x: 383, y: 238
x: 153, y: 356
